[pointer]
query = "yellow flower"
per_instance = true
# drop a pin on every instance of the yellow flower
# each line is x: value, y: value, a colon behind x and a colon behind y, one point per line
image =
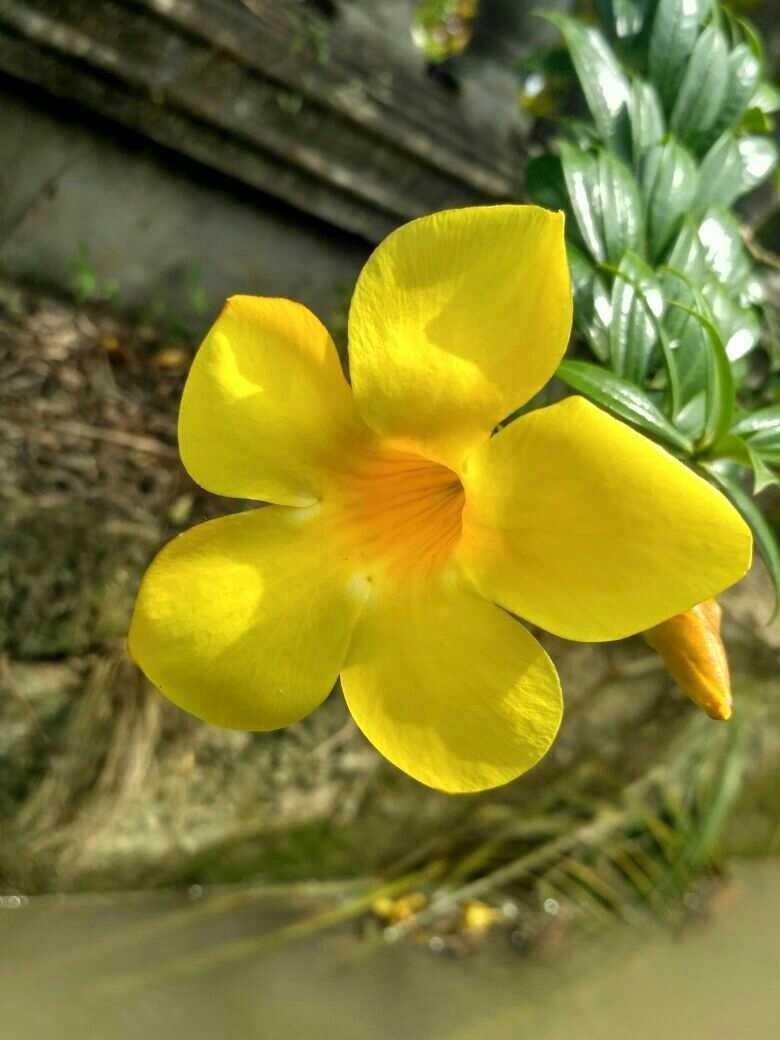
x: 403, y: 536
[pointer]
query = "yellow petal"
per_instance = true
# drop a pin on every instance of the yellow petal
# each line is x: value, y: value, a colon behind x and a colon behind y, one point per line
x: 245, y: 621
x: 458, y: 319
x: 584, y: 527
x: 449, y: 688
x: 266, y: 407
x: 692, y: 650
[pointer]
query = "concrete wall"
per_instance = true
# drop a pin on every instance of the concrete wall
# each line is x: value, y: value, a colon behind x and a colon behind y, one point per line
x: 172, y: 238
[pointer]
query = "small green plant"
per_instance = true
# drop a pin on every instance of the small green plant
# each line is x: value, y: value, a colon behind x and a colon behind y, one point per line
x: 87, y: 286
x: 668, y: 301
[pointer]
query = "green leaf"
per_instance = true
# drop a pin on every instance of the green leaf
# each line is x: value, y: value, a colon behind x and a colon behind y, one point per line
x: 763, y: 421
x: 744, y: 452
x: 580, y: 132
x: 687, y: 256
x: 580, y: 171
x: 738, y: 326
x: 686, y: 269
x: 623, y: 18
x: 636, y: 327
x: 690, y: 418
x: 744, y: 73
x: 703, y: 88
x: 623, y: 399
x: 601, y: 77
x: 645, y: 117
x: 766, y: 98
x: 763, y: 477
x: 746, y: 32
x: 720, y: 390
x: 766, y: 541
x: 762, y: 429
x: 724, y: 251
x: 622, y: 217
x: 592, y: 307
x: 759, y: 157
x: 731, y: 447
x: 734, y: 166
x: 672, y: 39
x: 669, y: 183
x: 720, y: 175
x: 636, y: 297
x: 692, y: 353
x: 606, y: 203
x: 754, y: 121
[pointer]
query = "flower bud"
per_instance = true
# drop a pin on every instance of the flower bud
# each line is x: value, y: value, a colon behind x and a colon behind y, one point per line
x: 692, y: 650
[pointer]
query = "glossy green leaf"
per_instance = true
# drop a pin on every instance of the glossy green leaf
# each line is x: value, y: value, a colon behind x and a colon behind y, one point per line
x: 687, y: 338
x: 763, y: 421
x: 720, y: 174
x: 606, y: 203
x: 762, y: 430
x: 636, y: 298
x: 623, y: 399
x: 601, y: 77
x: 622, y: 217
x: 752, y: 291
x: 687, y: 256
x: 734, y: 166
x: 720, y: 389
x: 724, y: 251
x: 692, y: 353
x: 763, y: 477
x: 580, y: 171
x: 759, y: 157
x: 669, y: 182
x: 744, y: 73
x: 743, y: 29
x: 738, y: 326
x: 592, y: 306
x: 672, y: 40
x: 623, y: 19
x: 766, y: 542
x: 690, y: 418
x: 645, y: 117
x: 766, y: 98
x: 703, y: 88
x: 745, y: 453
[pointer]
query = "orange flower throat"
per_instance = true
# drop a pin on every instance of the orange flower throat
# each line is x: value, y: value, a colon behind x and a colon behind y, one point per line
x: 400, y: 511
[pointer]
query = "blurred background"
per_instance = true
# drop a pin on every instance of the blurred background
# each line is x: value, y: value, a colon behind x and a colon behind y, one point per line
x: 157, y: 156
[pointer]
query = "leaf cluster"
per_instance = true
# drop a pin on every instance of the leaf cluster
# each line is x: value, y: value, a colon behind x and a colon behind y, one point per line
x: 667, y: 298
x: 599, y: 849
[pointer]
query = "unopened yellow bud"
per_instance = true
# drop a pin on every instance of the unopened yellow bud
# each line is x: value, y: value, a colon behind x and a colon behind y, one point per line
x: 690, y: 646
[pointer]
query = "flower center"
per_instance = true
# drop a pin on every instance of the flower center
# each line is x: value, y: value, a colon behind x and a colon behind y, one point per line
x: 401, y: 511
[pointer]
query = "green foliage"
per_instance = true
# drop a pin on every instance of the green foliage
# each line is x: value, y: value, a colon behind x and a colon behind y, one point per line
x: 600, y: 849
x: 86, y: 284
x: 666, y: 296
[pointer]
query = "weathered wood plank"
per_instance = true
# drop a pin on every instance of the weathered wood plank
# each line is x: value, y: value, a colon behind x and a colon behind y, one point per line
x: 201, y: 143
x: 347, y: 138
x: 357, y: 81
